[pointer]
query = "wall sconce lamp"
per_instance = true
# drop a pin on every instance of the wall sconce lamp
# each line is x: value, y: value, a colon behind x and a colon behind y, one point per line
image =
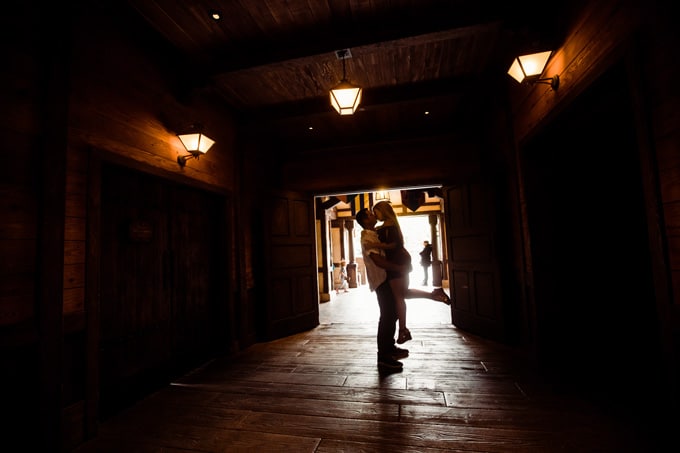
x: 345, y: 97
x: 530, y: 67
x: 196, y: 143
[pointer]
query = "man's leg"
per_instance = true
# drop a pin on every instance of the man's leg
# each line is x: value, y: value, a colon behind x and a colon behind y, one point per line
x: 387, y: 326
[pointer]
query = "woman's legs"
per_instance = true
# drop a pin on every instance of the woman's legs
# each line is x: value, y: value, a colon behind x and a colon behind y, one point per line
x: 437, y: 294
x: 399, y: 289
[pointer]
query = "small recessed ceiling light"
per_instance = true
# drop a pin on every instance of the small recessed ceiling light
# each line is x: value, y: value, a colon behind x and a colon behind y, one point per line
x: 215, y: 14
x: 310, y: 128
x: 427, y: 112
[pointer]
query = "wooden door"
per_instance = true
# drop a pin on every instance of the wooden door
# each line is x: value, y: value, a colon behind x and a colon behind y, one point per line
x: 134, y: 313
x: 197, y: 295
x: 162, y: 273
x: 476, y: 290
x: 291, y: 302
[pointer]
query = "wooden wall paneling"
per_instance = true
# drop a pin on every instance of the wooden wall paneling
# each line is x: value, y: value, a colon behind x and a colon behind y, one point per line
x: 74, y: 424
x: 74, y: 229
x: 75, y: 232
x: 74, y: 275
x: 74, y: 252
x: 135, y: 114
x: 75, y: 205
x: 54, y: 60
x: 19, y: 198
x: 74, y: 300
x: 76, y: 372
x: 17, y: 299
x: 416, y: 162
x: 18, y: 230
x: 92, y: 297
x: 21, y: 240
x: 18, y: 206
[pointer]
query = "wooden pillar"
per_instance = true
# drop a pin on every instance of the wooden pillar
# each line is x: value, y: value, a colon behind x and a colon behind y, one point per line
x: 436, y: 262
x: 351, y: 263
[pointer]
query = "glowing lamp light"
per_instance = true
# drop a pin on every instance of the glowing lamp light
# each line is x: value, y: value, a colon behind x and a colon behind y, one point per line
x: 530, y: 67
x: 345, y: 97
x: 196, y: 143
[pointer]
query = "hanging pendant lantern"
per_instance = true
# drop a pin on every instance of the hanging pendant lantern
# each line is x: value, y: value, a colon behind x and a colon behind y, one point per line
x: 345, y: 97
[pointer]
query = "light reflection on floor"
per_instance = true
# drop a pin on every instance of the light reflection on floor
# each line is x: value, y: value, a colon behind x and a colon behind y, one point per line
x: 360, y: 306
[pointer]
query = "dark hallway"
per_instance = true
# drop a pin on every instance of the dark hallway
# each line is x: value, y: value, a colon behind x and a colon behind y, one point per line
x: 590, y: 246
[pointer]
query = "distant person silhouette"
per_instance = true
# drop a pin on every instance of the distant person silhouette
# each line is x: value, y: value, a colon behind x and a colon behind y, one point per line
x: 426, y: 260
x: 344, y: 284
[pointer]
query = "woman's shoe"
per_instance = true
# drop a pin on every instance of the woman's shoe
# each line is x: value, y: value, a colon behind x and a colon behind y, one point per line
x: 441, y: 296
x: 404, y: 336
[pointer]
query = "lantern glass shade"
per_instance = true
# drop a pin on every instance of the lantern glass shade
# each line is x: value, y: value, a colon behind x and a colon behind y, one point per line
x: 529, y: 66
x: 345, y: 98
x: 382, y: 195
x: 196, y: 143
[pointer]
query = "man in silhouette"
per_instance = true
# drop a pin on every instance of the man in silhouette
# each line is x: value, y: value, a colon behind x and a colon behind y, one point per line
x: 376, y: 263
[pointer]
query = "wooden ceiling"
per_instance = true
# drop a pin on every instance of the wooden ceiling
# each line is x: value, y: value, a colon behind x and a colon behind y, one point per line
x: 273, y: 61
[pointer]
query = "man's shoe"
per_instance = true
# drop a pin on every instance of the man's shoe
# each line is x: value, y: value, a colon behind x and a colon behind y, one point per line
x: 389, y: 363
x: 398, y: 353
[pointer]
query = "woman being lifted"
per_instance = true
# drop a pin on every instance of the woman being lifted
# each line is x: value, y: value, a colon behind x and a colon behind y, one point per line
x: 392, y: 242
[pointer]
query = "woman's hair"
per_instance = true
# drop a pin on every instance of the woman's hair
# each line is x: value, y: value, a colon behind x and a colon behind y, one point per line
x: 386, y: 209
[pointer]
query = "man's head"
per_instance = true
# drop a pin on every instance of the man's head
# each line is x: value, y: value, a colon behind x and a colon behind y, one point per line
x: 366, y: 219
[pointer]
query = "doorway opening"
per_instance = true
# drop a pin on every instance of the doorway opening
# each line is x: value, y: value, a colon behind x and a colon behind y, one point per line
x: 338, y: 238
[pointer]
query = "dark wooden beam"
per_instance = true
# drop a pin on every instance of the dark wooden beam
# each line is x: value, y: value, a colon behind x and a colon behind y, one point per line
x: 375, y: 97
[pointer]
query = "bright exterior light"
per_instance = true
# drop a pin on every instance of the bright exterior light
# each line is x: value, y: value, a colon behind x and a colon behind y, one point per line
x: 345, y: 98
x: 528, y: 66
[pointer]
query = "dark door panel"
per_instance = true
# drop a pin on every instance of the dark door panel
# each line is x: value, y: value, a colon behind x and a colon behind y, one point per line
x: 477, y: 302
x: 292, y: 296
